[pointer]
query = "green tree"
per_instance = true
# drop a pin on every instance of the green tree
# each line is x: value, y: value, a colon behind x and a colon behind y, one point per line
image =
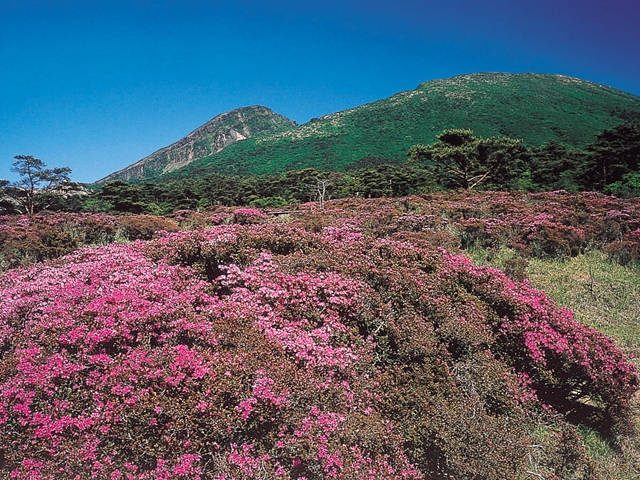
x: 459, y: 159
x: 615, y: 153
x: 627, y: 187
x: 32, y: 191
x: 124, y: 197
x: 96, y: 204
x: 554, y: 167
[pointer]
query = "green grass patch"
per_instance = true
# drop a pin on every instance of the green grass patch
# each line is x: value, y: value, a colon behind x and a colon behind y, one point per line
x: 602, y: 293
x: 606, y: 296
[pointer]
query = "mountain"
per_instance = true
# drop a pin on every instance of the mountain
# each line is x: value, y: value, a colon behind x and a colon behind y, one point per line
x: 533, y: 107
x: 212, y: 137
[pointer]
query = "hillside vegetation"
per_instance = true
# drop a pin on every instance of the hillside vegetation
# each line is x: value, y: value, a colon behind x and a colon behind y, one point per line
x: 218, y: 133
x: 458, y: 159
x: 534, y: 108
x: 337, y: 342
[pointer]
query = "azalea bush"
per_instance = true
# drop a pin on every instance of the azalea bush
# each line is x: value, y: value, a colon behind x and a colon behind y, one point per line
x: 627, y: 249
x: 553, y: 224
x: 248, y: 215
x: 327, y: 344
x: 29, y: 239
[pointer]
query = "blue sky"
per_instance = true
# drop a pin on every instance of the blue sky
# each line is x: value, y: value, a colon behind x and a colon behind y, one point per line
x: 95, y: 85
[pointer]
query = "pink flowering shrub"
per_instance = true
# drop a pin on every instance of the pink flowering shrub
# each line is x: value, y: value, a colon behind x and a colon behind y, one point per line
x: 248, y: 215
x: 540, y: 225
x: 564, y: 359
x: 627, y: 249
x: 556, y: 224
x: 122, y: 348
x: 335, y: 345
x: 25, y: 240
x: 144, y: 227
x: 197, y: 219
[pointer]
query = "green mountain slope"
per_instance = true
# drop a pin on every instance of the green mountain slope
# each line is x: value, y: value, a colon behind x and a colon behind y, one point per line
x: 535, y: 108
x: 210, y: 138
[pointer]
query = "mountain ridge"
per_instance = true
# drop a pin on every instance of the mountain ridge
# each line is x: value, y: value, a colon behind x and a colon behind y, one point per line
x: 537, y: 108
x: 223, y: 129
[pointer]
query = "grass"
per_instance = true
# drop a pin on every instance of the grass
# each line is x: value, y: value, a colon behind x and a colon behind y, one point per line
x: 606, y: 296
x: 602, y: 293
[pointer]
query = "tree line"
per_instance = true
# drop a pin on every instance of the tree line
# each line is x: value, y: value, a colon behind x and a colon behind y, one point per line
x: 457, y: 160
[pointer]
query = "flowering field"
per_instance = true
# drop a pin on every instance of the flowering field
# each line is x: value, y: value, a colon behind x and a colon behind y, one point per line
x: 352, y: 342
x: 25, y: 240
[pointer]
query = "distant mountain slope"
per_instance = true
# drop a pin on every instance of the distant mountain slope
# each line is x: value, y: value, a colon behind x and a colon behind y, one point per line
x: 533, y: 107
x: 210, y: 138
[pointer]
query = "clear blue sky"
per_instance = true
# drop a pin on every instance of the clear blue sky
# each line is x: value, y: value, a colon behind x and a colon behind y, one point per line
x: 96, y: 85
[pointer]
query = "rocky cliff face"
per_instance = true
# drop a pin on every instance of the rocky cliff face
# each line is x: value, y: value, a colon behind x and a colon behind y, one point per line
x: 210, y: 138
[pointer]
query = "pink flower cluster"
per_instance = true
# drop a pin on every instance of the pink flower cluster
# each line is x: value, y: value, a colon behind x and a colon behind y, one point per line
x: 540, y: 224
x: 108, y: 350
x: 550, y: 338
x: 337, y: 345
x: 248, y: 215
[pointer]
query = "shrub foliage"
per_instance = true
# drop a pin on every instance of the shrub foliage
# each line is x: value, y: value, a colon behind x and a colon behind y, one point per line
x: 325, y: 344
